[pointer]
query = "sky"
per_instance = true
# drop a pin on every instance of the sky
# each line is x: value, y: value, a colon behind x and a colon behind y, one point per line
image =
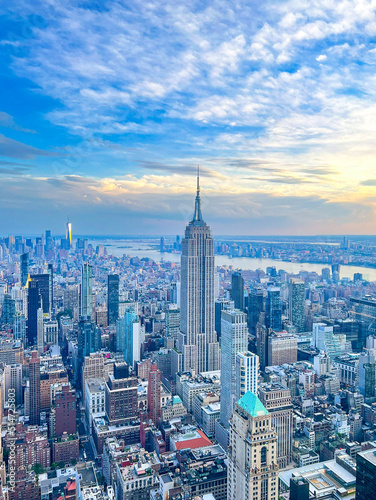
x: 107, y: 108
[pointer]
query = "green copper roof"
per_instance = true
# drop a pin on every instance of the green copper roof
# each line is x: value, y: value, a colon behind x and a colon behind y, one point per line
x: 252, y: 405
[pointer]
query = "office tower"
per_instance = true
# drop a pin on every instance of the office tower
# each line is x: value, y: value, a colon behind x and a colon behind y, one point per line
x: 112, y: 298
x: 87, y: 290
x: 19, y: 328
x: 366, y: 373
x: 65, y: 411
x: 296, y: 303
x: 121, y: 400
x: 252, y: 471
x: 299, y: 488
x: 89, y: 341
x: 24, y: 268
x: 40, y: 331
x: 48, y: 241
x: 325, y: 274
x: 234, y: 339
x: 247, y: 370
x: 197, y: 339
x: 34, y: 404
x: 50, y: 272
x: 277, y: 400
x: 68, y: 234
x: 175, y: 293
x: 219, y: 306
x: 237, y: 291
x: 162, y: 244
x: 255, y: 308
x: 358, y: 277
x: 366, y: 474
x: 322, y: 364
x: 282, y: 348
x: 43, y: 281
x: 173, y: 321
x: 154, y: 394
x: 363, y: 310
x: 34, y: 302
x: 9, y: 310
x: 273, y: 310
x: 13, y: 380
x: 128, y: 337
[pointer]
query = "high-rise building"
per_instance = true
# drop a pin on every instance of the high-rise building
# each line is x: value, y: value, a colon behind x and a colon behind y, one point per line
x: 128, y: 337
x: 34, y: 404
x: 121, y: 399
x: 34, y: 302
x: 50, y: 271
x: 247, y: 369
x: 89, y: 341
x: 65, y: 411
x: 87, y: 290
x: 255, y: 308
x: 9, y: 310
x: 13, y: 380
x: 172, y: 321
x: 197, y: 338
x: 282, y: 348
x: 273, y: 310
x: 24, y: 268
x: 154, y: 394
x: 68, y: 234
x: 252, y: 471
x: 366, y: 474
x: 296, y: 303
x: 112, y: 298
x: 234, y: 339
x: 43, y: 281
x: 277, y: 400
x: 237, y: 290
x: 40, y: 331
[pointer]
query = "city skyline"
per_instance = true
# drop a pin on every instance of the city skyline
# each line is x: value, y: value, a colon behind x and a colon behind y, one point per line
x: 274, y: 101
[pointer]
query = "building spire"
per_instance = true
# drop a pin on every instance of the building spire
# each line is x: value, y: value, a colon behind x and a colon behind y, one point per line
x: 197, y: 216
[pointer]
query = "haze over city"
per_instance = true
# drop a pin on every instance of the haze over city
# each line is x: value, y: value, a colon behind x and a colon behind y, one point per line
x: 107, y: 108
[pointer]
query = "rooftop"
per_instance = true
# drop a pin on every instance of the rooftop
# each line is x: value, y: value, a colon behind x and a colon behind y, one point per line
x: 252, y: 405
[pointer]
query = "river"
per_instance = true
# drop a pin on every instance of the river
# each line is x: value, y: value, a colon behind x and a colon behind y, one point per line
x: 146, y: 248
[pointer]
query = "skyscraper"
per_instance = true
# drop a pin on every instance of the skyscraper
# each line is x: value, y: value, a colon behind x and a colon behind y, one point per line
x: 252, y: 471
x: 24, y: 268
x: 255, y: 308
x: 296, y: 303
x: 128, y: 337
x: 68, y: 233
x: 50, y: 271
x: 43, y: 281
x: 237, y: 290
x: 273, y: 316
x: 234, y: 339
x: 154, y: 394
x: 277, y: 400
x: 87, y: 290
x: 247, y: 369
x: 112, y: 298
x: 197, y: 338
x: 34, y: 302
x: 34, y: 367
x: 366, y: 474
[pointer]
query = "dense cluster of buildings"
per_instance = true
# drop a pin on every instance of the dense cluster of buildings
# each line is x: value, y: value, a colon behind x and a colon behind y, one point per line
x: 123, y: 378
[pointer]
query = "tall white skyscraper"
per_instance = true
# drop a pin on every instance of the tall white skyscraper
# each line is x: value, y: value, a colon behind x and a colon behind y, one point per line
x: 197, y: 337
x: 247, y: 368
x: 87, y: 290
x: 234, y: 339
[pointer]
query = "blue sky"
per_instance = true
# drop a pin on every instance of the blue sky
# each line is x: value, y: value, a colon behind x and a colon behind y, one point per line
x: 106, y: 108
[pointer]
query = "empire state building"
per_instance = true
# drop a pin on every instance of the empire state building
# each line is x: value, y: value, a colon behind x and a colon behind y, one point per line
x: 198, y: 339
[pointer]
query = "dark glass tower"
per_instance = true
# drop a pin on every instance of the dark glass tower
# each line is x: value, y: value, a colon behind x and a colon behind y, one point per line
x: 112, y: 298
x: 24, y: 268
x: 34, y: 302
x: 273, y: 315
x: 237, y: 291
x: 43, y: 281
x: 255, y: 308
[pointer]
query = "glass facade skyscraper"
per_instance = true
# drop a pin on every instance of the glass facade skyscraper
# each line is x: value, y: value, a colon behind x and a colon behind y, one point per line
x: 273, y: 316
x: 87, y: 290
x: 112, y: 298
x: 296, y: 303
